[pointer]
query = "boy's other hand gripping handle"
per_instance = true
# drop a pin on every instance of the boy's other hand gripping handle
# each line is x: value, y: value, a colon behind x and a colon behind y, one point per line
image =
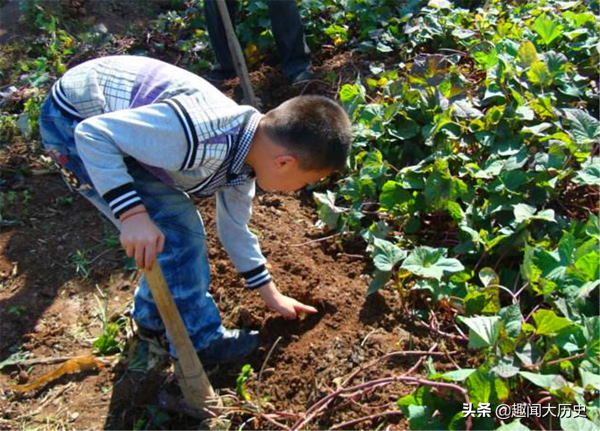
x: 140, y: 237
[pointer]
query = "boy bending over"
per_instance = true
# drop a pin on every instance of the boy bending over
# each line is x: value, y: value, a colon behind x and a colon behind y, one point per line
x: 137, y: 136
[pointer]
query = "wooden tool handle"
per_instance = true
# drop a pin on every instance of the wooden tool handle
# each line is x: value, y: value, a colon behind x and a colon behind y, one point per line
x: 196, y: 387
x: 236, y: 54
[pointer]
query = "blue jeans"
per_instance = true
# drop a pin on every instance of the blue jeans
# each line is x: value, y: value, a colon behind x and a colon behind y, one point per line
x: 184, y: 260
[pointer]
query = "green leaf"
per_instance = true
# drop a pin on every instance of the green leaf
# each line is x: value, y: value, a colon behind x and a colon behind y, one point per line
x: 524, y: 212
x: 459, y: 375
x: 483, y: 330
x: 589, y: 380
x: 431, y: 262
x: 571, y: 340
x: 465, y: 109
x: 505, y: 368
x: 393, y: 194
x: 379, y: 280
x: 440, y: 4
x: 488, y: 277
x: 584, y: 127
x: 485, y: 387
x: 548, y: 323
x: 404, y: 128
x: 539, y: 74
x: 538, y: 129
x: 456, y: 211
x: 551, y: 382
x: 387, y: 255
x: 592, y: 335
x: 485, y: 302
x: 515, y: 425
x: 590, y: 173
x: 329, y: 213
x: 592, y: 227
x: 556, y: 62
x: 548, y: 29
x: 525, y: 113
x: 14, y: 359
x: 352, y: 96
x: 438, y: 186
x: 588, y: 267
x: 527, y: 54
x: 335, y: 31
x: 512, y: 318
x: 578, y: 424
x: 480, y: 387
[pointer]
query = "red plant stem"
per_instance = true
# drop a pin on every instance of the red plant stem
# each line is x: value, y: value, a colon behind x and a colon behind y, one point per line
x: 318, y: 239
x: 366, y: 418
x: 558, y: 361
x: 521, y: 289
x: 376, y: 408
x: 461, y: 332
x: 430, y: 352
x: 544, y: 400
x: 531, y: 313
x: 442, y: 333
x: 421, y: 359
x: 324, y: 402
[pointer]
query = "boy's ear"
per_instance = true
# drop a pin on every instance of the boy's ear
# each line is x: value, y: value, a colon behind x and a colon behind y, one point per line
x: 285, y: 160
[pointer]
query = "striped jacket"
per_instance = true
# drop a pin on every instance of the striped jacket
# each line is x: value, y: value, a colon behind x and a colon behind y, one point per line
x: 176, y: 125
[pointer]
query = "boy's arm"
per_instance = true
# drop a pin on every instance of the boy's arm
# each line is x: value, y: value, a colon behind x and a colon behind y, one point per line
x: 234, y: 208
x: 151, y: 134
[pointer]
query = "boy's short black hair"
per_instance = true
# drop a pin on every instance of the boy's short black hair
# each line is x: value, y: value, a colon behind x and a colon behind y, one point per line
x: 315, y: 129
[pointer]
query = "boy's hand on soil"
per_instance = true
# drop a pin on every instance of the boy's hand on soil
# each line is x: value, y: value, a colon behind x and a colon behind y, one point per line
x: 284, y: 305
x: 141, y: 238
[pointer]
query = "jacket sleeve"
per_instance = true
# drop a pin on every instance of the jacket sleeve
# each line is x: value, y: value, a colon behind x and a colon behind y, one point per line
x: 151, y: 134
x: 234, y: 208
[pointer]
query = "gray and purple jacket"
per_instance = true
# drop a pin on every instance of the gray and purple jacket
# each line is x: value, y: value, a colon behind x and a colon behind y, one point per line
x: 176, y: 125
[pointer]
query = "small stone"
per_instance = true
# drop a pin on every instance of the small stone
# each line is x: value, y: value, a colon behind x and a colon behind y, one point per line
x: 23, y: 377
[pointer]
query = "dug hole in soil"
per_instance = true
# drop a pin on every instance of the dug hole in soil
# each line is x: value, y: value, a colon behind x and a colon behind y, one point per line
x: 49, y: 309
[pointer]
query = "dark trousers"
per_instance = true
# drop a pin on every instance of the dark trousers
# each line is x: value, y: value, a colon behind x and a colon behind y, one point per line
x: 287, y: 30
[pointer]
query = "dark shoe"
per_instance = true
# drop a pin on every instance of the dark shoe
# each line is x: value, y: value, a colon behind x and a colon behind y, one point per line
x: 233, y: 346
x: 150, y: 351
x: 302, y: 77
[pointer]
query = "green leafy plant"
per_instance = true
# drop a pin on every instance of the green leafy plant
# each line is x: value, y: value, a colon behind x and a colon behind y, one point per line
x: 82, y: 263
x: 468, y: 177
x: 240, y: 382
x: 110, y: 341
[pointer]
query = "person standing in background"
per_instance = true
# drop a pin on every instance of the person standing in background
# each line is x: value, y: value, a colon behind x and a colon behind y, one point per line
x: 288, y: 31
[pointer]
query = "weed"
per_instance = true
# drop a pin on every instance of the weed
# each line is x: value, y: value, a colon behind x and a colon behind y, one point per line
x: 109, y: 342
x: 11, y: 196
x: 129, y: 264
x: 26, y: 196
x: 113, y: 242
x: 242, y: 379
x: 17, y: 310
x: 8, y: 127
x: 64, y: 201
x: 82, y: 263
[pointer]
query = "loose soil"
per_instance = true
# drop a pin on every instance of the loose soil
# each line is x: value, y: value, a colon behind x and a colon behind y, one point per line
x: 50, y: 307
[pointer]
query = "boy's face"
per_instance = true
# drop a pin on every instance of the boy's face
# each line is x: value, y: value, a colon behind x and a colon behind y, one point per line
x: 282, y: 174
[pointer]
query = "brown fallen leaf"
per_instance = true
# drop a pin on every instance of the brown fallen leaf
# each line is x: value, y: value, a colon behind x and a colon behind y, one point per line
x: 75, y: 365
